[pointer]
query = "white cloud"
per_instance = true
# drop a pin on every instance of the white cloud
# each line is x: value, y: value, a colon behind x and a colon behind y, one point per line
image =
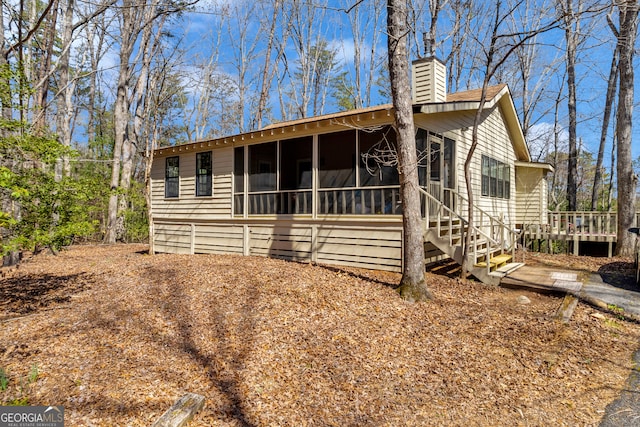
x: 540, y: 140
x: 346, y: 51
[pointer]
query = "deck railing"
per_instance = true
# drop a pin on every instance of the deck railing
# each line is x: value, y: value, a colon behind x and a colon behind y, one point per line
x: 279, y: 202
x: 360, y: 201
x: 335, y: 201
x: 578, y: 223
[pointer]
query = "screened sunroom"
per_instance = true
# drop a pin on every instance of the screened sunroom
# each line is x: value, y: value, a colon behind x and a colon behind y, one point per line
x: 349, y: 172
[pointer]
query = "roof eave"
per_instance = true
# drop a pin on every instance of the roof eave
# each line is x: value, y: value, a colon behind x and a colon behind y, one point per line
x: 503, y: 98
x: 448, y: 107
x: 547, y: 167
x: 513, y: 124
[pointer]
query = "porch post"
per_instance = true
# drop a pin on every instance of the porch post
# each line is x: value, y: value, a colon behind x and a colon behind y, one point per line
x: 314, y: 178
x: 245, y: 240
x: 192, y: 249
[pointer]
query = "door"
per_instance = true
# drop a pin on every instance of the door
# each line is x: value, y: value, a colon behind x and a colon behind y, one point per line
x: 436, y: 168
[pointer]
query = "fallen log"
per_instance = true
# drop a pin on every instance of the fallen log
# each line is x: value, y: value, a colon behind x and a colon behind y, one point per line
x: 181, y: 412
x: 566, y: 309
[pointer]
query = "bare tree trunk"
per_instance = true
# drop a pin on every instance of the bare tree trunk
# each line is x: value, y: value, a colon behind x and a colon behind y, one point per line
x: 531, y: 81
x: 305, y: 36
x: 136, y: 18
x: 147, y: 48
x: 28, y: 57
x: 120, y: 117
x: 64, y: 109
x: 496, y: 51
x: 65, y: 87
x: 611, y: 175
x: 244, y: 50
x: 467, y: 174
x: 606, y: 118
x: 267, y: 75
x: 489, y: 71
x: 373, y: 40
x: 42, y: 74
x: 556, y: 149
x: 627, y: 180
x: 354, y: 19
x: 434, y: 9
x: 572, y: 33
x: 412, y: 285
x: 95, y: 43
x: 458, y: 57
x: 365, y: 30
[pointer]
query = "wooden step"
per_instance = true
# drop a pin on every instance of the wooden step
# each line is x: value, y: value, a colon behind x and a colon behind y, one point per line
x: 496, y: 261
x: 506, y: 269
x: 481, y: 251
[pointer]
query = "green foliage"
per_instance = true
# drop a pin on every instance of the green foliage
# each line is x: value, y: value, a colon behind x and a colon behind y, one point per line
x: 18, y: 395
x: 33, y: 374
x: 135, y: 216
x: 4, y: 380
x: 343, y: 92
x: 47, y: 212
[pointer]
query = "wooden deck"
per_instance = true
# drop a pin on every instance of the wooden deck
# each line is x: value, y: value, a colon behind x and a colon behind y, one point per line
x: 576, y: 228
x: 546, y: 279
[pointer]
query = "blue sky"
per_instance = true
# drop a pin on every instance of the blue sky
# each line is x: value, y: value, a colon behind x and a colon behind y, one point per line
x: 592, y: 68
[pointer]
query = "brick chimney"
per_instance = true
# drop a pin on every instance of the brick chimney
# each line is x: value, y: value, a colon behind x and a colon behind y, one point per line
x: 428, y: 80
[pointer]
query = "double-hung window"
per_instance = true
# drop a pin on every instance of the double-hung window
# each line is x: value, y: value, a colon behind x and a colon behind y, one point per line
x: 204, y: 174
x: 496, y: 178
x: 172, y: 177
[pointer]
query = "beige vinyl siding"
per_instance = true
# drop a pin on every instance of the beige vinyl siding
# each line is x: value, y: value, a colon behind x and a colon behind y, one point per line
x: 429, y: 81
x: 449, y: 125
x: 378, y: 248
x: 494, y: 141
x: 287, y: 241
x: 531, y: 196
x: 218, y: 239
x: 172, y: 238
x: 187, y: 206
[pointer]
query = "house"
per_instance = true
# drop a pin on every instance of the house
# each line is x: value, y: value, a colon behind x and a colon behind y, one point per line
x: 325, y: 189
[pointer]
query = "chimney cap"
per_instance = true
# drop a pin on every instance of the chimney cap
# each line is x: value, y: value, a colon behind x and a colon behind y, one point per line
x: 427, y: 59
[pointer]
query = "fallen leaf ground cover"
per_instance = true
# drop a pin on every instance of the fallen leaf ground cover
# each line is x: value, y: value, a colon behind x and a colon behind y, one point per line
x: 116, y: 336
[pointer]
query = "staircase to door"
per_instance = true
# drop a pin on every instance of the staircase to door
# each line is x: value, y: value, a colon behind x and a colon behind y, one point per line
x: 492, y: 243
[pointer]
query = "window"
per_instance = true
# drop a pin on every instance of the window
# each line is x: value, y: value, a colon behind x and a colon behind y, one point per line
x: 448, y: 174
x: 496, y: 178
x: 203, y: 174
x: 485, y: 176
x: 172, y: 177
x: 238, y: 180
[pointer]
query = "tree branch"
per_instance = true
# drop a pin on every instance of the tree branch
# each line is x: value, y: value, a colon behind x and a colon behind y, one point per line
x: 32, y: 31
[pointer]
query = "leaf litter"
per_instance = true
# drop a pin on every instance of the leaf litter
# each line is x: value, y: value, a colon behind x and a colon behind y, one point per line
x: 118, y: 336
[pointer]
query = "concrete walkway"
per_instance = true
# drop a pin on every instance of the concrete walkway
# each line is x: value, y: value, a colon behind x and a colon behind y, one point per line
x: 593, y: 289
